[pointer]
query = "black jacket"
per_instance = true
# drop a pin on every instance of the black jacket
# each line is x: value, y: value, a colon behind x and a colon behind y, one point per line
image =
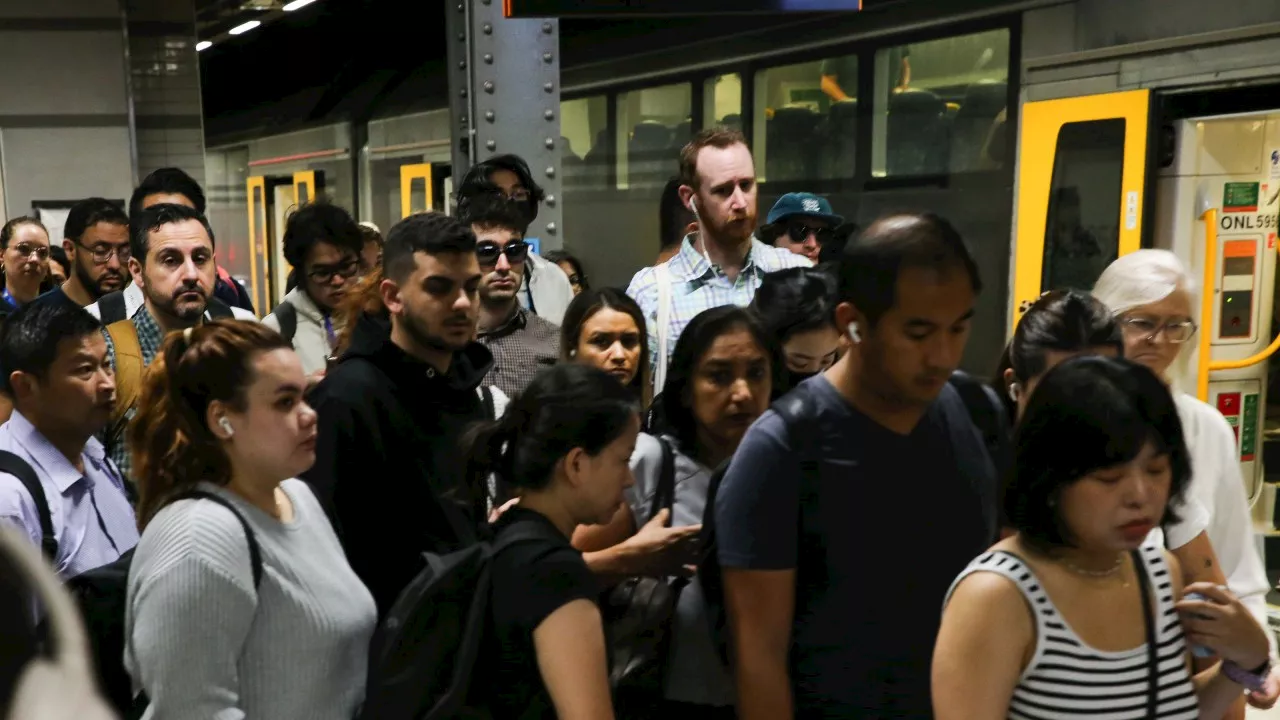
x: 388, y: 461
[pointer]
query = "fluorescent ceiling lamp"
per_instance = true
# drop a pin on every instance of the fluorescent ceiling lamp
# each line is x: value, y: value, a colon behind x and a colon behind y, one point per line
x: 296, y: 4
x: 203, y: 45
x: 241, y: 29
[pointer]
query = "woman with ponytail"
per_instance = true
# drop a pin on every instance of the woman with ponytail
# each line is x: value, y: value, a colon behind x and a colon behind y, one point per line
x: 563, y: 446
x: 212, y: 630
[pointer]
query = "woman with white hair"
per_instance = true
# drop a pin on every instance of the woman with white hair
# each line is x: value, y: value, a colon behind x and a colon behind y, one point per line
x: 1151, y: 295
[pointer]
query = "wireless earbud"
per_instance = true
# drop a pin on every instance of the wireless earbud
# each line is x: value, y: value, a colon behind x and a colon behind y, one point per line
x: 853, y: 333
x: 1014, y: 391
x: 225, y: 424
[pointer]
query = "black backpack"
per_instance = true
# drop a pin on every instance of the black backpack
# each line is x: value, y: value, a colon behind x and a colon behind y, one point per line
x: 101, y: 592
x: 287, y: 317
x: 985, y: 410
x: 423, y: 654
x: 111, y: 308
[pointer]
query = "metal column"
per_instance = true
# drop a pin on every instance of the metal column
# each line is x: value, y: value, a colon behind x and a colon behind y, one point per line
x: 504, y: 90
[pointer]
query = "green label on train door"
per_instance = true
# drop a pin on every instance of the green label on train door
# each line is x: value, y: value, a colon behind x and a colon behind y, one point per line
x: 1249, y: 428
x: 1240, y: 197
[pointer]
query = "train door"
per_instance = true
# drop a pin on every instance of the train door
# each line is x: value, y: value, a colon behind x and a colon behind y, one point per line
x: 271, y: 198
x: 425, y: 186
x: 1082, y: 169
x: 1218, y: 207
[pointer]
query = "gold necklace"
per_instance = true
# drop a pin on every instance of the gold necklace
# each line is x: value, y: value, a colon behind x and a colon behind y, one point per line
x: 1094, y: 573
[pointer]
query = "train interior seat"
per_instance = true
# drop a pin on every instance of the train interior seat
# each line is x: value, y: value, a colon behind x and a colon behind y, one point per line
x: 838, y: 157
x: 791, y: 147
x: 919, y: 136
x: 649, y: 153
x: 973, y: 124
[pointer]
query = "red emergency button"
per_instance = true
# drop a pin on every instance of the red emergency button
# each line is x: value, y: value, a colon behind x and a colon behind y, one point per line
x: 1229, y: 404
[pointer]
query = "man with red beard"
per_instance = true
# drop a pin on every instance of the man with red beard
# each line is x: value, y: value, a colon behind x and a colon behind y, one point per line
x: 721, y: 264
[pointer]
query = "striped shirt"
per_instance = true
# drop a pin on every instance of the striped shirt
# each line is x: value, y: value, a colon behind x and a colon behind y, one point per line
x: 1068, y: 680
x: 697, y: 285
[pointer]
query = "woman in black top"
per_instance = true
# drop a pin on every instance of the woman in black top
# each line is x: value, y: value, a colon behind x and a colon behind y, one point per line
x: 564, y: 446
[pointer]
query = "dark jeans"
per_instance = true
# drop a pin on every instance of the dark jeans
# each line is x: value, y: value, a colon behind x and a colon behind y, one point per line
x: 671, y: 710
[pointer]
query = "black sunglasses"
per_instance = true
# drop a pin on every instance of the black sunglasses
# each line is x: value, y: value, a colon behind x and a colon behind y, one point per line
x: 799, y: 233
x: 487, y: 252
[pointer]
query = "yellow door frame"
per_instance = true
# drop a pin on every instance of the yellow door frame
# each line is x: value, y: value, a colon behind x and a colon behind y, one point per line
x: 258, y: 238
x: 1041, y: 122
x: 409, y: 173
x: 304, y: 187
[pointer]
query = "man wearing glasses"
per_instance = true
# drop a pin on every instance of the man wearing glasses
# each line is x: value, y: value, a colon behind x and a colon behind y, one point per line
x: 96, y: 240
x: 545, y: 291
x: 522, y: 343
x: 802, y: 223
x: 323, y: 242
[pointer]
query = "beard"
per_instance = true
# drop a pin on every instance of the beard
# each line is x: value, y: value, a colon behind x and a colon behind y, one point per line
x: 735, y: 230
x: 423, y: 334
x: 95, y: 286
x: 186, y: 312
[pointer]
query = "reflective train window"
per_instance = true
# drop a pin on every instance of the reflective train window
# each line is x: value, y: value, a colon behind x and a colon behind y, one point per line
x: 806, y: 120
x: 653, y: 124
x: 584, y: 141
x: 722, y: 101
x: 1082, y: 229
x: 940, y: 105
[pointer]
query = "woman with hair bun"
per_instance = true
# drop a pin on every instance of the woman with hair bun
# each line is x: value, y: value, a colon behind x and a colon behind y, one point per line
x: 564, y: 446
x: 222, y: 412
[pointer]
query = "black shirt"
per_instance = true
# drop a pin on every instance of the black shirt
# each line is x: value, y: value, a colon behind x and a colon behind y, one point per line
x: 531, y: 580
x: 876, y: 531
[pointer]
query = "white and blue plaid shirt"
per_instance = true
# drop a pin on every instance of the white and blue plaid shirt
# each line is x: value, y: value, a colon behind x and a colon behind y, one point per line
x: 696, y: 285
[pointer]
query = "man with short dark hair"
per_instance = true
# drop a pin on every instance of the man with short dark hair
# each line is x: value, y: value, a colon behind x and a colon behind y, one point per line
x: 96, y: 240
x: 61, y: 385
x: 323, y: 243
x: 722, y: 263
x: 172, y: 262
x: 394, y: 406
x: 545, y: 290
x: 166, y: 185
x: 827, y: 619
x: 522, y: 343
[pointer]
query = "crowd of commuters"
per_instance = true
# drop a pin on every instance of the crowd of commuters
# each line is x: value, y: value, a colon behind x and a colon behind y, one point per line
x: 752, y: 485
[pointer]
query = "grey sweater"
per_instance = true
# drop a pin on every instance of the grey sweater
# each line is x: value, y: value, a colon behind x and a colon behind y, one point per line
x: 205, y: 645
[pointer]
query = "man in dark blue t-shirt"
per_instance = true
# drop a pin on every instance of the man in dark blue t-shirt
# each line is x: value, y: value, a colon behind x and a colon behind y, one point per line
x: 840, y: 534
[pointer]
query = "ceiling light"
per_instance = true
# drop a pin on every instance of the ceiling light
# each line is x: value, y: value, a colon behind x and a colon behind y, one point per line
x: 203, y: 45
x: 290, y: 7
x: 241, y: 29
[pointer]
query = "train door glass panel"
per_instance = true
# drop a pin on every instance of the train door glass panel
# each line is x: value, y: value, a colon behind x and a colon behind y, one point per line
x: 940, y: 106
x: 722, y: 101
x: 1082, y: 231
x: 282, y: 205
x: 653, y: 124
x: 1082, y: 168
x: 805, y: 123
x: 584, y: 141
x: 259, y: 232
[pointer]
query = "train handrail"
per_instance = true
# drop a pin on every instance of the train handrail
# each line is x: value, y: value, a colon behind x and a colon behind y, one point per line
x: 1203, y: 363
x: 1207, y: 365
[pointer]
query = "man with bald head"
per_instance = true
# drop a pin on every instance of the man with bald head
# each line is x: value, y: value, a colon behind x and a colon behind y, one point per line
x: 828, y: 620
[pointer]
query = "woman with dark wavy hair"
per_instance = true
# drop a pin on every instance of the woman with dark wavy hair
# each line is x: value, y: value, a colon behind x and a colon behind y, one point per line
x: 213, y: 628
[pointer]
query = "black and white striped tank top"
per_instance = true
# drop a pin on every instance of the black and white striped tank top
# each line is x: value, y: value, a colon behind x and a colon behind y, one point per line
x: 1069, y: 680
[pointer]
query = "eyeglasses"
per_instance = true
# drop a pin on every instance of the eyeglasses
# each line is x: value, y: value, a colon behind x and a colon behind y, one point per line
x: 487, y: 252
x: 324, y: 274
x: 799, y: 233
x: 26, y: 250
x: 1141, y: 326
x: 518, y: 194
x: 101, y: 254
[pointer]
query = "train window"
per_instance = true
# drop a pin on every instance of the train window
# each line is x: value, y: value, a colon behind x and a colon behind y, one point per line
x: 806, y: 120
x: 584, y: 140
x: 653, y: 124
x: 1082, y: 229
x: 722, y: 101
x: 940, y: 105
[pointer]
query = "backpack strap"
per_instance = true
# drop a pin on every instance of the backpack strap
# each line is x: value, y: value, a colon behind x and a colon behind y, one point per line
x: 111, y: 307
x: 219, y: 310
x: 129, y: 371
x: 486, y: 397
x: 664, y: 498
x: 663, y: 320
x: 14, y: 465
x: 255, y: 552
x: 287, y: 318
x: 986, y: 411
